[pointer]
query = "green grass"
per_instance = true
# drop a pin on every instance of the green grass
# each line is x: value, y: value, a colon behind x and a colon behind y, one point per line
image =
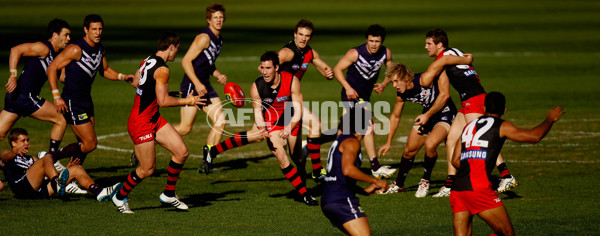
x: 538, y: 53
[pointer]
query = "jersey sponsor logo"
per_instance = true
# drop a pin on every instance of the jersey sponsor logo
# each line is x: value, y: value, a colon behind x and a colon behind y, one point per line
x: 147, y: 136
x: 497, y: 200
x: 83, y: 116
x: 473, y: 154
x: 268, y: 100
x: 281, y: 99
x: 304, y: 66
x: 468, y: 73
x: 330, y: 179
x: 295, y: 66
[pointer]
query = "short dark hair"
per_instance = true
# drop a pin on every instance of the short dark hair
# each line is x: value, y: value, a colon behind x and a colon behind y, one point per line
x: 166, y: 39
x: 56, y: 26
x: 13, y: 135
x: 438, y: 35
x: 356, y: 120
x: 92, y: 18
x: 270, y: 56
x: 495, y: 103
x: 214, y: 7
x: 304, y: 24
x: 376, y: 30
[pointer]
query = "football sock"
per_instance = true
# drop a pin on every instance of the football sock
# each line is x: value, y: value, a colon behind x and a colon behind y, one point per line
x: 327, y: 136
x: 449, y: 181
x: 172, y: 175
x: 301, y: 167
x: 504, y: 172
x: 54, y: 145
x: 95, y: 189
x: 132, y: 180
x: 428, y: 165
x: 82, y: 157
x: 291, y: 173
x: 374, y: 163
x: 55, y: 184
x: 314, y: 151
x: 405, y: 166
x: 73, y: 149
x: 238, y: 139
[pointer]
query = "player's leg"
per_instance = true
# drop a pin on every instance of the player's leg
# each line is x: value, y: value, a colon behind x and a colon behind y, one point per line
x: 313, y: 124
x: 87, y: 134
x: 215, y: 112
x: 146, y: 155
x: 7, y: 120
x: 498, y: 219
x: 458, y: 124
x: 359, y: 226
x: 168, y: 137
x: 102, y: 194
x: 413, y: 145
x: 433, y: 140
x: 463, y: 223
x: 48, y: 113
x: 186, y: 122
x: 294, y: 143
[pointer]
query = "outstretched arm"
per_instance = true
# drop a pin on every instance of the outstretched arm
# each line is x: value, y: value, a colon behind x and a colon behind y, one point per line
x: 535, y: 134
x: 346, y: 61
x: 394, y: 121
x: 259, y: 120
x: 37, y: 49
x: 161, y: 75
x: 321, y: 66
x: 379, y: 87
x: 438, y: 65
x: 349, y: 149
x: 297, y: 100
x: 112, y: 74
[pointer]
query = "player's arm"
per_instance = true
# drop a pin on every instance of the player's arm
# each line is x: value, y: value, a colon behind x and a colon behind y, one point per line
x: 37, y: 49
x: 439, y: 102
x: 437, y: 66
x: 161, y: 75
x: 112, y: 74
x: 201, y: 42
x: 71, y: 53
x: 338, y: 71
x: 321, y: 66
x: 259, y: 120
x: 379, y: 87
x: 349, y: 148
x: 8, y: 155
x: 533, y: 135
x: 456, y: 155
x: 297, y: 104
x: 285, y: 55
x: 221, y: 78
x: 394, y: 121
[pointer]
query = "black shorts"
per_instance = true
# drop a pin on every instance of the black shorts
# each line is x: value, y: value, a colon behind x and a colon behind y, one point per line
x: 77, y: 115
x: 341, y: 212
x: 23, y: 190
x: 187, y: 87
x: 446, y: 115
x: 23, y: 104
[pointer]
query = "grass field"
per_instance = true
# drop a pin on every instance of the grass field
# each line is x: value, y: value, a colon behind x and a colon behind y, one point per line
x: 538, y: 53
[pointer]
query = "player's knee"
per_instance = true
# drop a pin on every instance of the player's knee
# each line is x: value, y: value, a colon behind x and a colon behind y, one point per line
x: 89, y: 146
x: 60, y: 121
x: 183, y: 130
x: 76, y: 171
x: 409, y: 154
x: 146, y: 172
x: 430, y: 149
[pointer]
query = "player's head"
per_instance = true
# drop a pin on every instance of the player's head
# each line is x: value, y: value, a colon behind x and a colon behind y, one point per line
x: 357, y: 120
x: 269, y: 65
x: 59, y: 33
x: 17, y: 137
x: 92, y: 25
x: 215, y: 15
x: 495, y: 103
x: 401, y: 77
x: 436, y: 41
x: 169, y: 41
x: 303, y: 33
x: 375, y: 36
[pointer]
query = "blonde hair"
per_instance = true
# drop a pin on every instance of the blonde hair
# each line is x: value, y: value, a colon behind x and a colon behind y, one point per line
x: 400, y: 70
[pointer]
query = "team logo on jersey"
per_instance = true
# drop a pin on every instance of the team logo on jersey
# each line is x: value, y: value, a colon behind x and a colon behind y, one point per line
x: 304, y: 66
x: 363, y: 64
x: 83, y: 116
x: 268, y: 100
x: 379, y: 64
x: 295, y: 66
x: 139, y: 91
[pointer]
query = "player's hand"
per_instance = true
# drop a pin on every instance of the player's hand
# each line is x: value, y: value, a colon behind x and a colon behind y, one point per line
x: 222, y: 79
x: 128, y: 78
x: 469, y: 56
x: 379, y: 186
x: 421, y: 119
x: 22, y: 150
x: 328, y: 72
x: 11, y: 84
x: 74, y: 162
x: 384, y: 149
x: 285, y: 133
x: 379, y: 88
x: 201, y: 89
x: 263, y: 132
x: 555, y: 113
x: 351, y: 94
x: 61, y: 107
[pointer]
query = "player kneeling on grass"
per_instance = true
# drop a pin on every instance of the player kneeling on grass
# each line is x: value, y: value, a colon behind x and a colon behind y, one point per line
x: 25, y: 174
x: 339, y: 203
x: 146, y: 126
x: 475, y: 157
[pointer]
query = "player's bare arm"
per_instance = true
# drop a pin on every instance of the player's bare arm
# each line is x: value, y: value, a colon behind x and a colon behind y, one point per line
x: 297, y: 104
x: 535, y: 134
x: 437, y: 66
x: 161, y: 75
x: 321, y: 66
x: 349, y: 149
x: 379, y: 87
x: 259, y: 120
x: 71, y: 53
x: 221, y: 78
x: 201, y: 42
x: 338, y: 71
x: 37, y: 49
x: 394, y: 121
x: 112, y: 74
x: 456, y: 154
x: 285, y: 55
x: 440, y: 100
